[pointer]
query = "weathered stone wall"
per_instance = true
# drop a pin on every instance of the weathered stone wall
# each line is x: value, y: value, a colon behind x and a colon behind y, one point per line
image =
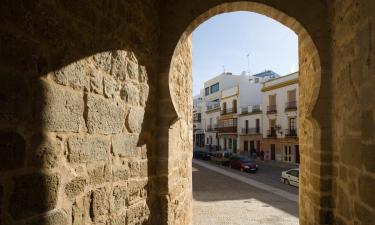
x: 180, y: 135
x: 77, y: 99
x: 88, y: 164
x: 353, y: 112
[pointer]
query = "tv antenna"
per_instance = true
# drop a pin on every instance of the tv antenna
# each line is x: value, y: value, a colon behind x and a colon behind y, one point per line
x: 248, y: 63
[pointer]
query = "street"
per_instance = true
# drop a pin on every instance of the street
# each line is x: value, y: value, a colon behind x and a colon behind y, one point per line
x: 230, y: 199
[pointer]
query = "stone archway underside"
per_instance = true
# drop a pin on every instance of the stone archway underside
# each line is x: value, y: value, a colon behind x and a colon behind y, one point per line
x: 179, y: 140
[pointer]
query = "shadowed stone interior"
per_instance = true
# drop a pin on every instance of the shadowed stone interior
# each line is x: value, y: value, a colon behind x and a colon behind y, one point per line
x: 95, y: 109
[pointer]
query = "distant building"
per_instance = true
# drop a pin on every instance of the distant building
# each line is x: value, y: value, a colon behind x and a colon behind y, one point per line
x: 198, y: 129
x: 280, y: 119
x: 247, y: 114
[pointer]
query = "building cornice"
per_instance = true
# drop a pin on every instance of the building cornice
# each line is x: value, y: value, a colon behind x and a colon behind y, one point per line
x: 280, y: 85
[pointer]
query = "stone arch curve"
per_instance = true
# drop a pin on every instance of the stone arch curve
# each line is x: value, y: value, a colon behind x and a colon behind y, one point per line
x: 179, y: 87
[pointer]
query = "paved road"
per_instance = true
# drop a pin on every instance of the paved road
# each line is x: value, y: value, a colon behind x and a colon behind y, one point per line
x: 219, y: 199
x: 268, y: 173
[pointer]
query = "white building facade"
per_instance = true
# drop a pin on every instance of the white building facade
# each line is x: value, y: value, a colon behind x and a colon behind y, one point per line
x: 280, y: 119
x: 251, y: 115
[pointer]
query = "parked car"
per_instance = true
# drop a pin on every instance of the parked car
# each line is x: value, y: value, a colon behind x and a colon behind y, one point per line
x: 221, y: 157
x: 201, y: 154
x: 290, y: 177
x: 243, y: 163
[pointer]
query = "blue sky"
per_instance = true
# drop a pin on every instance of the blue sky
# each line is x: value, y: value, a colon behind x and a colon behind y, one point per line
x: 226, y: 39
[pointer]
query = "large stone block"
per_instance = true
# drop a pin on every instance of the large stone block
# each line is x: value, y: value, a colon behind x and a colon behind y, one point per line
x: 137, y: 213
x: 136, y: 191
x: 125, y: 145
x: 99, y: 174
x: 46, y: 151
x: 99, y: 203
x: 81, y: 210
x: 121, y: 173
x: 130, y: 93
x: 104, y: 116
x: 59, y: 109
x: 75, y: 187
x: 143, y: 96
x: 119, y: 220
x: 134, y: 120
x: 74, y: 75
x: 12, y: 151
x: 118, y: 69
x: 86, y: 149
x: 118, y: 199
x: 142, y: 74
x: 111, y: 87
x: 132, y: 69
x: 96, y: 82
x: 33, y: 194
x: 56, y: 217
x: 103, y: 61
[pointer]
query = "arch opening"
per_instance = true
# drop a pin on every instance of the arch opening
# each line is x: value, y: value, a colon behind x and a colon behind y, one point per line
x: 179, y: 86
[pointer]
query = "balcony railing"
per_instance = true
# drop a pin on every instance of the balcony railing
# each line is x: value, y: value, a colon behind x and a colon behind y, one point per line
x: 212, y: 127
x: 291, y: 106
x: 196, y: 120
x: 254, y: 109
x: 228, y: 111
x: 252, y: 130
x: 290, y: 132
x: 244, y: 110
x: 213, y: 106
x: 271, y: 133
x: 271, y: 109
x: 228, y: 126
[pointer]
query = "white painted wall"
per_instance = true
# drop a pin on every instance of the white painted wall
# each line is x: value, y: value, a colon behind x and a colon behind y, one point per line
x: 281, y: 99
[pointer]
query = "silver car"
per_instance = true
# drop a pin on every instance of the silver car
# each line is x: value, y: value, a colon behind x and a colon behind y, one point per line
x: 290, y: 177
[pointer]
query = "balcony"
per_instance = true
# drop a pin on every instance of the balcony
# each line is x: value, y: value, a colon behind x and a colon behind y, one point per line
x: 271, y: 133
x: 290, y: 132
x: 197, y: 120
x: 228, y: 111
x: 213, y: 106
x: 271, y: 109
x: 212, y: 128
x: 252, y: 130
x: 227, y: 126
x: 290, y: 106
x: 251, y: 109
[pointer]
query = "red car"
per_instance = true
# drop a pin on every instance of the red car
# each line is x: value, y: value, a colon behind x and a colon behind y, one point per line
x: 243, y: 163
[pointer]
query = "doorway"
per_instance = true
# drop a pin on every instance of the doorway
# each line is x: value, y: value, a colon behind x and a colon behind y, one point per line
x: 273, y: 151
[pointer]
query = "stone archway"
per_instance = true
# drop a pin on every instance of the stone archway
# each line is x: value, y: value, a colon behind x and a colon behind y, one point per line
x: 177, y: 103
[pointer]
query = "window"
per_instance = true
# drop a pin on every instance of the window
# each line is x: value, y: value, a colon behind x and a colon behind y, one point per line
x: 246, y: 126
x: 292, y: 95
x: 207, y: 91
x: 214, y: 88
x: 230, y: 143
x: 292, y: 124
x: 272, y: 100
x: 257, y: 125
x: 234, y: 105
x: 224, y: 107
x: 208, y: 141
